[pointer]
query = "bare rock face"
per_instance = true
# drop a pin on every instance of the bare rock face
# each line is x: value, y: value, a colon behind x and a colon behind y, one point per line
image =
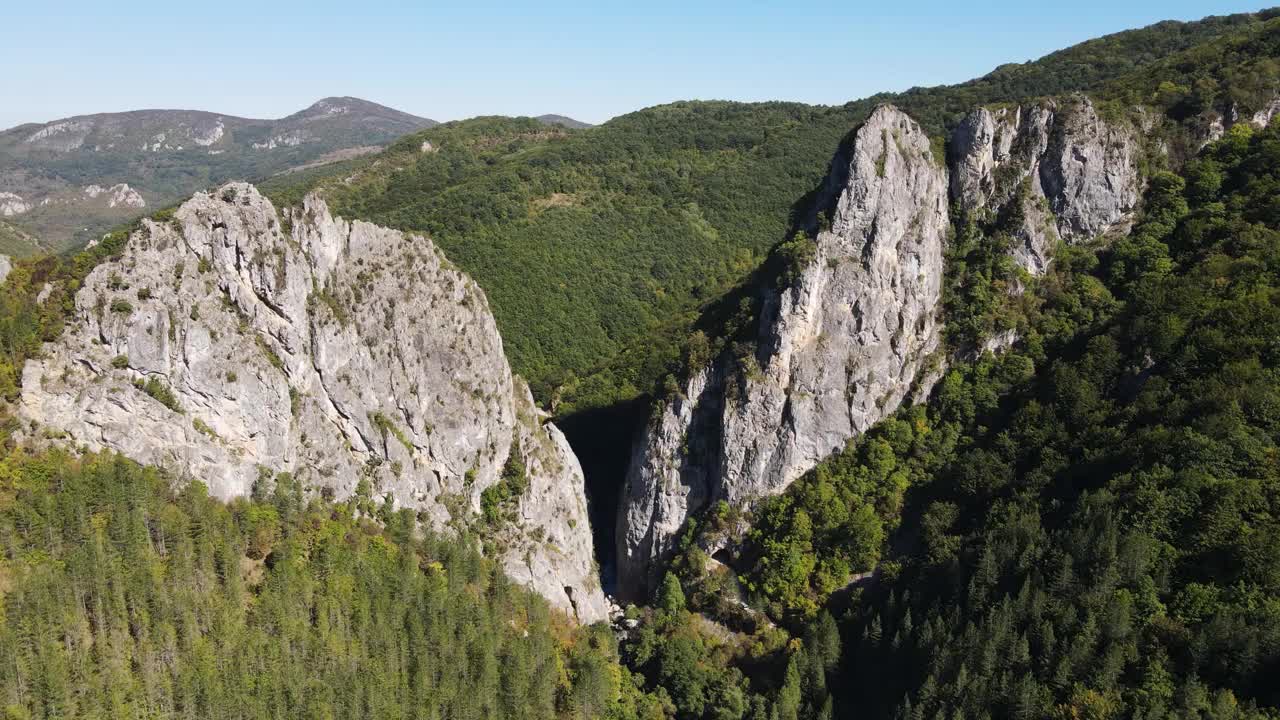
x: 6, y: 267
x: 12, y: 204
x: 674, y: 471
x: 233, y: 340
x: 118, y: 195
x: 1213, y: 125
x: 1058, y: 168
x: 1263, y: 116
x: 840, y: 348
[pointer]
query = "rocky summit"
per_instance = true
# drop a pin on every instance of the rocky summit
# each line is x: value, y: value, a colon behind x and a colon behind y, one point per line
x: 1068, y: 173
x: 855, y: 332
x: 840, y: 348
x: 235, y: 342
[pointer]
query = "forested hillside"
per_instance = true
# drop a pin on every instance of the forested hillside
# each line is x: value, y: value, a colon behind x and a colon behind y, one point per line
x: 1084, y: 524
x: 1088, y: 525
x: 598, y: 247
x: 122, y: 597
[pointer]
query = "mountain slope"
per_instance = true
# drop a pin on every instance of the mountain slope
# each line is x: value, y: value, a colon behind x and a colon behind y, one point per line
x: 16, y: 243
x: 74, y: 177
x: 1026, y: 179
x: 629, y: 228
x: 1081, y: 520
x: 1101, y: 524
x: 1085, y: 525
x: 123, y: 596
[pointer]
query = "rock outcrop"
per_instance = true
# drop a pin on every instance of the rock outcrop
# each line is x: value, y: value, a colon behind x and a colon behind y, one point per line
x: 855, y: 333
x: 12, y: 204
x: 1213, y: 124
x: 118, y: 195
x: 232, y: 344
x: 839, y: 348
x: 6, y: 267
x: 1057, y: 169
x: 1264, y: 115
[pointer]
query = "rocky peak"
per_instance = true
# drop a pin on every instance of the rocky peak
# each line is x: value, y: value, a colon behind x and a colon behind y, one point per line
x: 839, y: 348
x: 1070, y: 173
x: 235, y: 339
x: 855, y: 332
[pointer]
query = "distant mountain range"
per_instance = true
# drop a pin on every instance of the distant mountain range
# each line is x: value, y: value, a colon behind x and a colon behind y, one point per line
x: 65, y: 182
x: 69, y: 180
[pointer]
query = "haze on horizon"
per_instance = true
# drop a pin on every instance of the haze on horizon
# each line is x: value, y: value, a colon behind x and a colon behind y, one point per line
x: 590, y: 61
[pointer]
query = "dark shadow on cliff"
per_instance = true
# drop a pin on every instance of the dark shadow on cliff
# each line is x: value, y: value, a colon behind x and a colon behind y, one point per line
x: 603, y: 437
x: 602, y: 440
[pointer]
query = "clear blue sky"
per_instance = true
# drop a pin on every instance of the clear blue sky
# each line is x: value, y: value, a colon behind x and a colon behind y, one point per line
x: 590, y: 60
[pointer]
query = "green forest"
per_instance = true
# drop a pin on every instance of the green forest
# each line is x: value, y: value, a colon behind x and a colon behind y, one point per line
x: 123, y: 597
x: 1089, y: 524
x: 1085, y: 525
x: 600, y: 248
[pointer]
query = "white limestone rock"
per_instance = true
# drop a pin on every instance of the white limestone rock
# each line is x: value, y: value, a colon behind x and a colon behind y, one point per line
x: 838, y: 350
x: 13, y: 204
x: 118, y: 195
x: 331, y: 350
x: 206, y: 136
x: 1073, y: 174
x: 1262, y: 117
x: 62, y: 136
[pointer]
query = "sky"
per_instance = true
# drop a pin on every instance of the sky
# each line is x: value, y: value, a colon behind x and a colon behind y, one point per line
x: 588, y: 60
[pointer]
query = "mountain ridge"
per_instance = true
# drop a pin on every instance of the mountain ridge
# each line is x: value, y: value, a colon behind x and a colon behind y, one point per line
x: 155, y: 157
x: 565, y: 120
x: 300, y: 114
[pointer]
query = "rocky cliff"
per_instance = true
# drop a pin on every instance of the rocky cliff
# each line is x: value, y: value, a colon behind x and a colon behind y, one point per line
x: 840, y: 347
x: 855, y: 333
x: 1059, y: 168
x: 235, y: 343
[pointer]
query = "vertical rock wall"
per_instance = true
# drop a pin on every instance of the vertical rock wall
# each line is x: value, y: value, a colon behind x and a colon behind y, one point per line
x: 233, y: 341
x: 839, y: 348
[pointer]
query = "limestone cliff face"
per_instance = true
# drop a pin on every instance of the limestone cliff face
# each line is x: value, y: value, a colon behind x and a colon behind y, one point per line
x: 839, y: 348
x: 855, y: 334
x: 1213, y: 124
x: 1061, y: 169
x: 232, y: 339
